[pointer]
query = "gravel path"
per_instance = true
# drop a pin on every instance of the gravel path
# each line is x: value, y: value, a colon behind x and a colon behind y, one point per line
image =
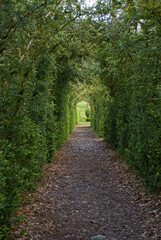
x: 89, y: 193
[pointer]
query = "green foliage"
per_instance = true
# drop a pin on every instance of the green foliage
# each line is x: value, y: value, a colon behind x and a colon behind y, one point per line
x: 130, y: 70
x: 99, y: 98
x: 50, y: 60
x: 78, y: 114
x: 88, y: 112
x: 88, y: 119
x: 37, y: 108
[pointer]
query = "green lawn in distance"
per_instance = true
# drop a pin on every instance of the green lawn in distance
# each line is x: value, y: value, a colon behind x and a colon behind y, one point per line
x: 81, y: 108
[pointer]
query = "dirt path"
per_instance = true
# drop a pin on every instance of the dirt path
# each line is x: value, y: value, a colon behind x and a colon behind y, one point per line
x: 88, y: 193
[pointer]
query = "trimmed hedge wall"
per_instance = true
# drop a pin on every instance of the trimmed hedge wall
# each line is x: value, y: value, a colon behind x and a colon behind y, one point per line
x: 35, y: 122
x: 130, y: 70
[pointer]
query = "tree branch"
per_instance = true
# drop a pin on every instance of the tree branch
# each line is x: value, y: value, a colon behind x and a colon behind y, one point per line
x: 48, y: 14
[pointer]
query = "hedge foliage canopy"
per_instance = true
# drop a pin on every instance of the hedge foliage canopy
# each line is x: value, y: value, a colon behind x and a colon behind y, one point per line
x: 55, y: 53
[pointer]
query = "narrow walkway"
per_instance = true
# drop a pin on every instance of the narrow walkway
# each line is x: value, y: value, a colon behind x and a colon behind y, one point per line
x: 88, y: 193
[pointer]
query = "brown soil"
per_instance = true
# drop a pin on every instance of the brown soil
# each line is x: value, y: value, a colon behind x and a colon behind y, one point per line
x: 87, y: 191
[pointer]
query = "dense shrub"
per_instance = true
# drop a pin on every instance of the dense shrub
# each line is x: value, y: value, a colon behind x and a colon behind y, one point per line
x: 30, y: 137
x: 130, y: 69
x: 88, y: 119
x: 38, y: 114
x: 88, y: 112
x: 99, y: 109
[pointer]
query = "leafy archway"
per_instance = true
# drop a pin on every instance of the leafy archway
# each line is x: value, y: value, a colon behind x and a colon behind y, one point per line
x: 53, y: 54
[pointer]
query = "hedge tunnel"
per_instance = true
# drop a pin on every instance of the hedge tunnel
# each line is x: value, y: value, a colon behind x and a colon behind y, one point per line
x: 55, y: 53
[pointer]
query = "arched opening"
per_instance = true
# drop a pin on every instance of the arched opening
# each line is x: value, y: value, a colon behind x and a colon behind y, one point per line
x: 83, y: 112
